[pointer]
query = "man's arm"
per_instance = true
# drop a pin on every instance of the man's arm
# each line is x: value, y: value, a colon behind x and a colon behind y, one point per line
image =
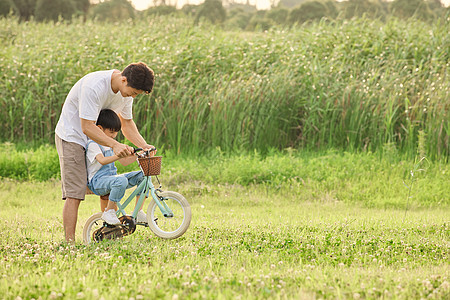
x: 97, y: 135
x: 130, y: 131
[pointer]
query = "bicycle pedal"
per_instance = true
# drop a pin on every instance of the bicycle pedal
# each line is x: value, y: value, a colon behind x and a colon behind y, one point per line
x: 128, y: 225
x: 108, y: 232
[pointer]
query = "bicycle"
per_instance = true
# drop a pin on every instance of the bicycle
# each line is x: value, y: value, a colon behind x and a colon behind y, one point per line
x: 168, y: 214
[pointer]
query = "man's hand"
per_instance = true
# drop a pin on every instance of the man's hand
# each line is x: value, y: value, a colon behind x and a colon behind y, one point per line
x: 148, y: 147
x: 122, y: 150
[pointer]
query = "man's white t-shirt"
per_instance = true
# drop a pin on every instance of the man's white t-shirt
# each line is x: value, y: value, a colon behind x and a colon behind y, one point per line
x: 87, y: 97
x: 92, y: 164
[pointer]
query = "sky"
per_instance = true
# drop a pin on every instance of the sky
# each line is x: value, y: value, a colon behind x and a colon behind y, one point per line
x: 260, y: 4
x: 144, y: 4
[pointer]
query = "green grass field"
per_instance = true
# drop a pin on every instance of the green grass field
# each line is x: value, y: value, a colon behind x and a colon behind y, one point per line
x: 299, y: 150
x: 332, y: 234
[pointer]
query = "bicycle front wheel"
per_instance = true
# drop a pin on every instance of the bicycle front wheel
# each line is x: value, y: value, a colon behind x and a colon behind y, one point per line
x: 170, y: 227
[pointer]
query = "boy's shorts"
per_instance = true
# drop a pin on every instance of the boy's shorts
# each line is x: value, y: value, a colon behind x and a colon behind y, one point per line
x: 72, y: 162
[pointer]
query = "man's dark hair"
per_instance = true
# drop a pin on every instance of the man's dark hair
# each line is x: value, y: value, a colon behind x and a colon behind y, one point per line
x: 108, y: 119
x: 139, y: 76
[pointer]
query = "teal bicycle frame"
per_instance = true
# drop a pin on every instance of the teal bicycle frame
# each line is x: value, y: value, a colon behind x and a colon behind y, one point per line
x: 143, y: 190
x: 164, y: 222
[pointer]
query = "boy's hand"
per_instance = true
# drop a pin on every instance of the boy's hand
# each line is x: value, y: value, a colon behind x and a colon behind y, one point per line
x: 122, y: 150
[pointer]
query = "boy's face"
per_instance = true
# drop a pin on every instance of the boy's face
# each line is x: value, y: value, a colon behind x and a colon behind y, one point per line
x: 109, y: 132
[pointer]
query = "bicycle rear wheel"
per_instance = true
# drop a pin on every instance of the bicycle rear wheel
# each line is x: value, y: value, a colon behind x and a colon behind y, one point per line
x: 96, y: 230
x: 169, y: 227
x: 92, y: 224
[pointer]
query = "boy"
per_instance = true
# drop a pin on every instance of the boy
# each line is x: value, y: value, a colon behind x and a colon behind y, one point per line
x: 102, y: 173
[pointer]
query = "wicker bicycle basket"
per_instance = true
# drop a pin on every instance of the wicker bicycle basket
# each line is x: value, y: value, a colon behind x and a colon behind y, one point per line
x: 151, y: 166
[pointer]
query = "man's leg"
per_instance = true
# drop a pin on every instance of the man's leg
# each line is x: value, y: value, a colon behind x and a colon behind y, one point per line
x: 70, y: 216
x: 73, y: 183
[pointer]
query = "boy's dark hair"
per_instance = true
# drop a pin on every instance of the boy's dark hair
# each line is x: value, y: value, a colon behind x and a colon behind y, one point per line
x: 139, y: 76
x: 108, y: 119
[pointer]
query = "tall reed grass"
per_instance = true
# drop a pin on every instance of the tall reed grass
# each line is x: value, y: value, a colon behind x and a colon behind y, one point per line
x: 353, y: 85
x: 330, y: 175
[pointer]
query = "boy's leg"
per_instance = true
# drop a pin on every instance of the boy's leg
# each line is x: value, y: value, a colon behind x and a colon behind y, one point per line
x: 134, y: 179
x: 114, y: 185
x: 111, y: 205
x: 104, y: 203
x: 137, y: 200
x: 109, y: 215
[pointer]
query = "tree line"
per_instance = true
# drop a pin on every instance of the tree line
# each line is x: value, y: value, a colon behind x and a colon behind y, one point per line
x: 227, y: 13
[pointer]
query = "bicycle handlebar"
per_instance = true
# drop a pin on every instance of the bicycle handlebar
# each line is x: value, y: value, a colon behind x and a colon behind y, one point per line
x: 147, y: 152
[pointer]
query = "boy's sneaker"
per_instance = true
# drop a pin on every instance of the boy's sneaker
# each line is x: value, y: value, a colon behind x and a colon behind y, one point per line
x: 141, y: 218
x: 110, y: 217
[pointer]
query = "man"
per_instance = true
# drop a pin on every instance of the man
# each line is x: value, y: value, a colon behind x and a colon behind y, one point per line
x: 98, y: 90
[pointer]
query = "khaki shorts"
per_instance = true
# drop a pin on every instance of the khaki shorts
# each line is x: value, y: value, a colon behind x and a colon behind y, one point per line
x: 72, y: 161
